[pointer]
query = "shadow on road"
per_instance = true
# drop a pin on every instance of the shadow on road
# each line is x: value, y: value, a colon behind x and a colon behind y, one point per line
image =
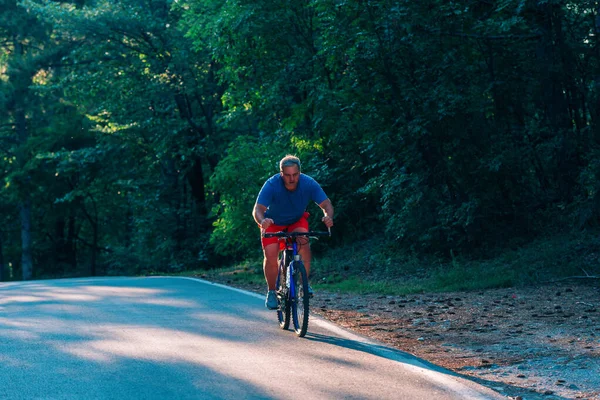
x: 378, y: 350
x: 159, y: 338
x: 407, y: 358
x: 120, y: 338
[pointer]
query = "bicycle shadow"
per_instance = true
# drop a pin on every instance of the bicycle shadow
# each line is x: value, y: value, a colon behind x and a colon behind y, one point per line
x: 377, y: 350
x: 365, y: 345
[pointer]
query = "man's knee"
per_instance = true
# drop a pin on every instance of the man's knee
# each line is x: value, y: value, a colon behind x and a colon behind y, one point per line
x: 271, y: 253
x: 302, y: 240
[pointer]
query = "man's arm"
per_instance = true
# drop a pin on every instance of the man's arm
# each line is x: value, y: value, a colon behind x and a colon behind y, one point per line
x: 327, y: 208
x: 259, y: 216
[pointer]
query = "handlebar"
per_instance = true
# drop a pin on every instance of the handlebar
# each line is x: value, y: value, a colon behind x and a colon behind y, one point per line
x: 296, y: 234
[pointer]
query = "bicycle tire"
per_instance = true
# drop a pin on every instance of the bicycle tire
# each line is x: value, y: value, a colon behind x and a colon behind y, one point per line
x: 300, y: 302
x: 284, y: 309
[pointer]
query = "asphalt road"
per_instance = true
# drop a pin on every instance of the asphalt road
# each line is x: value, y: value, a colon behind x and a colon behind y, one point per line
x: 182, y: 338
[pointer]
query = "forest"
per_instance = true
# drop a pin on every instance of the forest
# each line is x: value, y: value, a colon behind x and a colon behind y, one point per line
x: 136, y: 134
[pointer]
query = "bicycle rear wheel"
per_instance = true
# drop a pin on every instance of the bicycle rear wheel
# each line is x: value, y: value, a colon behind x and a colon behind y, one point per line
x: 283, y: 312
x: 300, y: 299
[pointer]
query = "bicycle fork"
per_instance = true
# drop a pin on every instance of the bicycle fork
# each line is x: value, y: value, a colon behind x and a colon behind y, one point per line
x: 290, y: 277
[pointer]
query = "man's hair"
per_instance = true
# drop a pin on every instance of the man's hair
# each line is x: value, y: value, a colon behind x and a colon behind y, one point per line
x: 289, y: 161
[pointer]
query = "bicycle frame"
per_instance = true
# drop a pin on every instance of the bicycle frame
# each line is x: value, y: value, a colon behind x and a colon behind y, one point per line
x: 289, y: 268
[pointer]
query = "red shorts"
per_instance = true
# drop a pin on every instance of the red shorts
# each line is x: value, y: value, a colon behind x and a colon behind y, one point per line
x: 301, y: 223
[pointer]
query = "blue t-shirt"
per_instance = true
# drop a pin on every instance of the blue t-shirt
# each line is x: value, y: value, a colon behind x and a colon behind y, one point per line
x: 285, y: 207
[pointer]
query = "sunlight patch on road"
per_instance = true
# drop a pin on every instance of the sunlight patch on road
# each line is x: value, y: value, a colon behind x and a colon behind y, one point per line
x: 49, y: 296
x: 19, y: 323
x: 20, y: 299
x: 33, y: 328
x: 166, y: 302
x: 13, y: 362
x: 157, y: 344
x: 90, y: 354
x: 234, y: 358
x: 19, y: 334
x: 121, y: 291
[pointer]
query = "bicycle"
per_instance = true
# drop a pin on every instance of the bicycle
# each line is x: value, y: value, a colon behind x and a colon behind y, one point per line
x: 292, y: 282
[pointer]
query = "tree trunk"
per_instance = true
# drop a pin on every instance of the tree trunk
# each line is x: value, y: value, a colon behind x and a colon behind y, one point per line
x: 95, y: 233
x: 1, y: 260
x: 26, y: 258
x: 551, y: 51
x: 59, y: 243
x: 21, y: 81
x: 595, y: 110
x: 94, y: 249
x: 25, y: 203
x: 195, y: 177
x: 71, y: 245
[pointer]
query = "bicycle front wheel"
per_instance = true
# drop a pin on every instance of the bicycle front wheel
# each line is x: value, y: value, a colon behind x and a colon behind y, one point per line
x: 283, y: 311
x: 300, y: 298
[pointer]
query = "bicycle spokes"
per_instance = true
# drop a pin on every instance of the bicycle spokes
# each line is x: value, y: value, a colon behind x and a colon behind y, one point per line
x: 283, y: 311
x: 300, y: 299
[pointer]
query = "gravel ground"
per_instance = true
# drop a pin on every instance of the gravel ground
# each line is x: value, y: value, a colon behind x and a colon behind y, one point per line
x: 528, y: 343
x: 534, y: 343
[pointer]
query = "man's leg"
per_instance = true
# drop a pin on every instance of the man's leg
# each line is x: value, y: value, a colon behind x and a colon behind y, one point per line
x: 271, y: 252
x: 303, y: 242
x: 304, y: 250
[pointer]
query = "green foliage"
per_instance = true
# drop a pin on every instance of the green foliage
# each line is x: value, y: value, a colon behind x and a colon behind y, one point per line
x: 140, y: 133
x: 368, y: 267
x: 235, y: 232
x: 249, y: 272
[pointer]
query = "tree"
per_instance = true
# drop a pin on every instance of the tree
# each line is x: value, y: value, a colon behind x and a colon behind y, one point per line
x: 170, y: 141
x: 20, y: 35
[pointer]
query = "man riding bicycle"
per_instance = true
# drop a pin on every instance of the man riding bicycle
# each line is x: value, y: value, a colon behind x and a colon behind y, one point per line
x: 281, y: 206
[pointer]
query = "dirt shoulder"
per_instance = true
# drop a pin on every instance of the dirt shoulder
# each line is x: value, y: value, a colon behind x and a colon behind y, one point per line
x: 539, y: 342
x: 527, y: 343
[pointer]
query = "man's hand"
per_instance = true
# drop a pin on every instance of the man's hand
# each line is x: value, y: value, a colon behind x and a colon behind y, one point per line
x: 265, y: 223
x: 327, y: 208
x: 328, y: 221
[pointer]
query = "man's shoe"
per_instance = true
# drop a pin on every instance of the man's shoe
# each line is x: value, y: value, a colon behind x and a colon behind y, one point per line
x: 271, y: 301
x: 311, y: 293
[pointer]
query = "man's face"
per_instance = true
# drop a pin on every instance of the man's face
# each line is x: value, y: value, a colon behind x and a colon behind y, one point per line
x: 290, y: 177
